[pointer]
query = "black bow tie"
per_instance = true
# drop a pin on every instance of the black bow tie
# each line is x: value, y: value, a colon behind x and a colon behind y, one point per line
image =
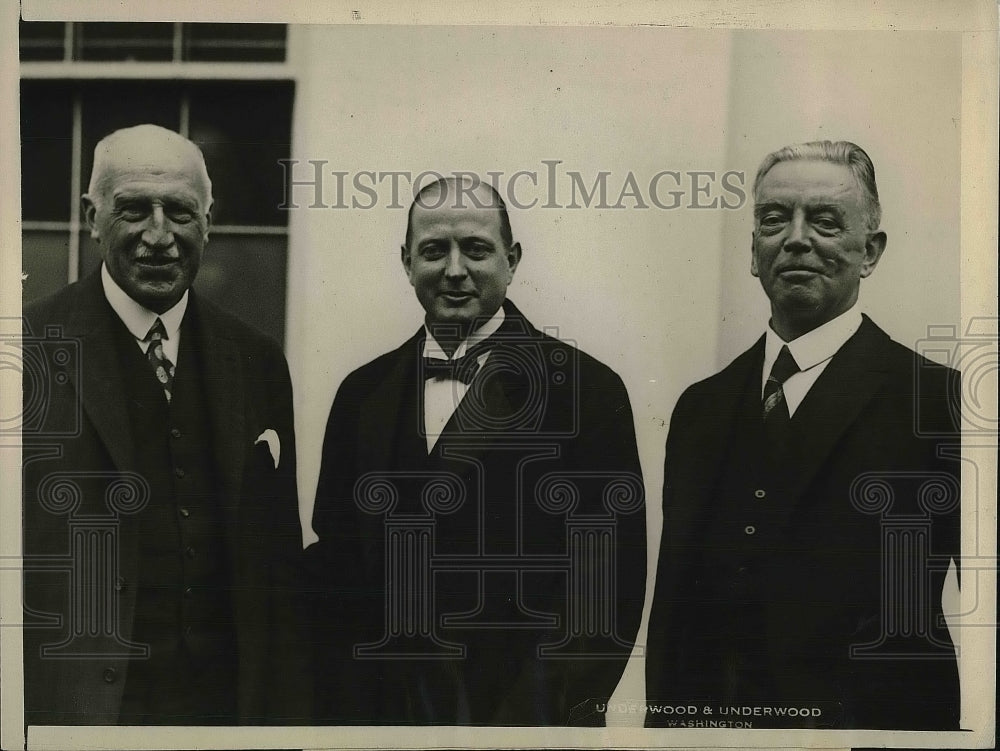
x: 462, y: 369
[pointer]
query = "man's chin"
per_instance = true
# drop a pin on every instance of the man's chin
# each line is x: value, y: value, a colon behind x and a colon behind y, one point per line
x: 799, y: 299
x: 803, y: 315
x: 457, y: 315
x: 158, y: 297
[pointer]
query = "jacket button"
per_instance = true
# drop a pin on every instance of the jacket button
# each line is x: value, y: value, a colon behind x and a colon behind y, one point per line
x: 750, y: 529
x: 175, y: 433
x: 119, y: 583
x: 179, y: 473
x: 190, y: 552
x: 185, y: 512
x: 110, y: 675
x: 759, y: 493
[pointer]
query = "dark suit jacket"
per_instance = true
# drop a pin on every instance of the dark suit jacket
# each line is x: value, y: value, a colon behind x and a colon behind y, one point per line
x: 541, y: 424
x: 79, y: 426
x: 869, y: 431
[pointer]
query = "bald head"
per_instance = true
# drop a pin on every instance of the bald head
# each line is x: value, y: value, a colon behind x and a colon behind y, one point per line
x: 455, y: 193
x: 150, y: 149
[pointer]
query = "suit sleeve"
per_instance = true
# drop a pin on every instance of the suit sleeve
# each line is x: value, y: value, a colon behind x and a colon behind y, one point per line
x: 605, y: 447
x: 344, y: 605
x: 659, y: 643
x: 289, y: 694
x: 940, y: 398
x: 611, y: 446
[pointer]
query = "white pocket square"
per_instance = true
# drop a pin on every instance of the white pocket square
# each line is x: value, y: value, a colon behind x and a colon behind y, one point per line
x: 273, y: 444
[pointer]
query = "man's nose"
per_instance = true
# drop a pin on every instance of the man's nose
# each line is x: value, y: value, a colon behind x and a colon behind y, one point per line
x: 797, y: 236
x: 158, y: 232
x: 455, y: 267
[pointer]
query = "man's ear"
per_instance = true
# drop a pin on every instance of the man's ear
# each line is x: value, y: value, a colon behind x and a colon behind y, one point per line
x: 753, y: 256
x: 513, y: 258
x: 874, y: 247
x: 90, y: 215
x: 404, y: 256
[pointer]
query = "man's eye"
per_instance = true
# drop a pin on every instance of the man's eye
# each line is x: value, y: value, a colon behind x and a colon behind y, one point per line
x: 826, y: 223
x: 477, y: 250
x: 132, y: 213
x: 771, y: 220
x: 181, y: 216
x: 432, y: 252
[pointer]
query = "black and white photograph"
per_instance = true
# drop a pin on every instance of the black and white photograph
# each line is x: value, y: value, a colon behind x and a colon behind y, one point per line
x: 452, y: 377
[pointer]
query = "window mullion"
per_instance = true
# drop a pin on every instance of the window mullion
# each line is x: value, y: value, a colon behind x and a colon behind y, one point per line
x: 73, y: 261
x: 184, y: 128
x: 68, y: 44
x: 178, y: 42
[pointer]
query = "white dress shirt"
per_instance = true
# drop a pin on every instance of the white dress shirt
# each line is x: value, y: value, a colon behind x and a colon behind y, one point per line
x: 443, y: 395
x: 812, y: 352
x: 139, y: 320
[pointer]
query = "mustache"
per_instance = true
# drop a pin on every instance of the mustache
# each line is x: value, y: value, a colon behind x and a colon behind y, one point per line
x: 145, y: 252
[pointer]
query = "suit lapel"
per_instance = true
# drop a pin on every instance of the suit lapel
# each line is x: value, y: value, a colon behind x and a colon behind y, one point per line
x: 732, y: 401
x: 485, y: 409
x: 224, y: 388
x: 380, y: 411
x: 846, y: 386
x: 101, y: 389
x: 381, y: 421
x: 99, y: 383
x: 498, y: 390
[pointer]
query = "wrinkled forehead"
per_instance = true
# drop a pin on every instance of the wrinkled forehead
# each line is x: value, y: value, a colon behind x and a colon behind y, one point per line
x: 150, y: 160
x: 808, y: 181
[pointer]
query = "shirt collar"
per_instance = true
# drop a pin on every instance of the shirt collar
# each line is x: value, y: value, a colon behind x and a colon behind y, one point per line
x: 136, y: 318
x: 818, y: 345
x: 433, y: 350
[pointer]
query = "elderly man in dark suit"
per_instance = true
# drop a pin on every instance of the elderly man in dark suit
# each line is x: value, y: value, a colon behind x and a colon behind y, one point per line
x: 161, y: 534
x: 480, y: 507
x: 809, y: 515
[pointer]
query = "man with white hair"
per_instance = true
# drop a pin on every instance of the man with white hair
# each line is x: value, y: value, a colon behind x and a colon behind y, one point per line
x: 811, y: 490
x: 181, y: 612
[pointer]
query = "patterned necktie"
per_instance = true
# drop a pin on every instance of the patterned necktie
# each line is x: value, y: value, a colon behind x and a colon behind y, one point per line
x: 775, y: 407
x: 462, y: 369
x: 163, y: 369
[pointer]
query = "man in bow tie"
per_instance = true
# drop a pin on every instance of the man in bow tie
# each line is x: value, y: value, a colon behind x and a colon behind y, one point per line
x: 480, y: 507
x: 811, y: 491
x: 171, y: 503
